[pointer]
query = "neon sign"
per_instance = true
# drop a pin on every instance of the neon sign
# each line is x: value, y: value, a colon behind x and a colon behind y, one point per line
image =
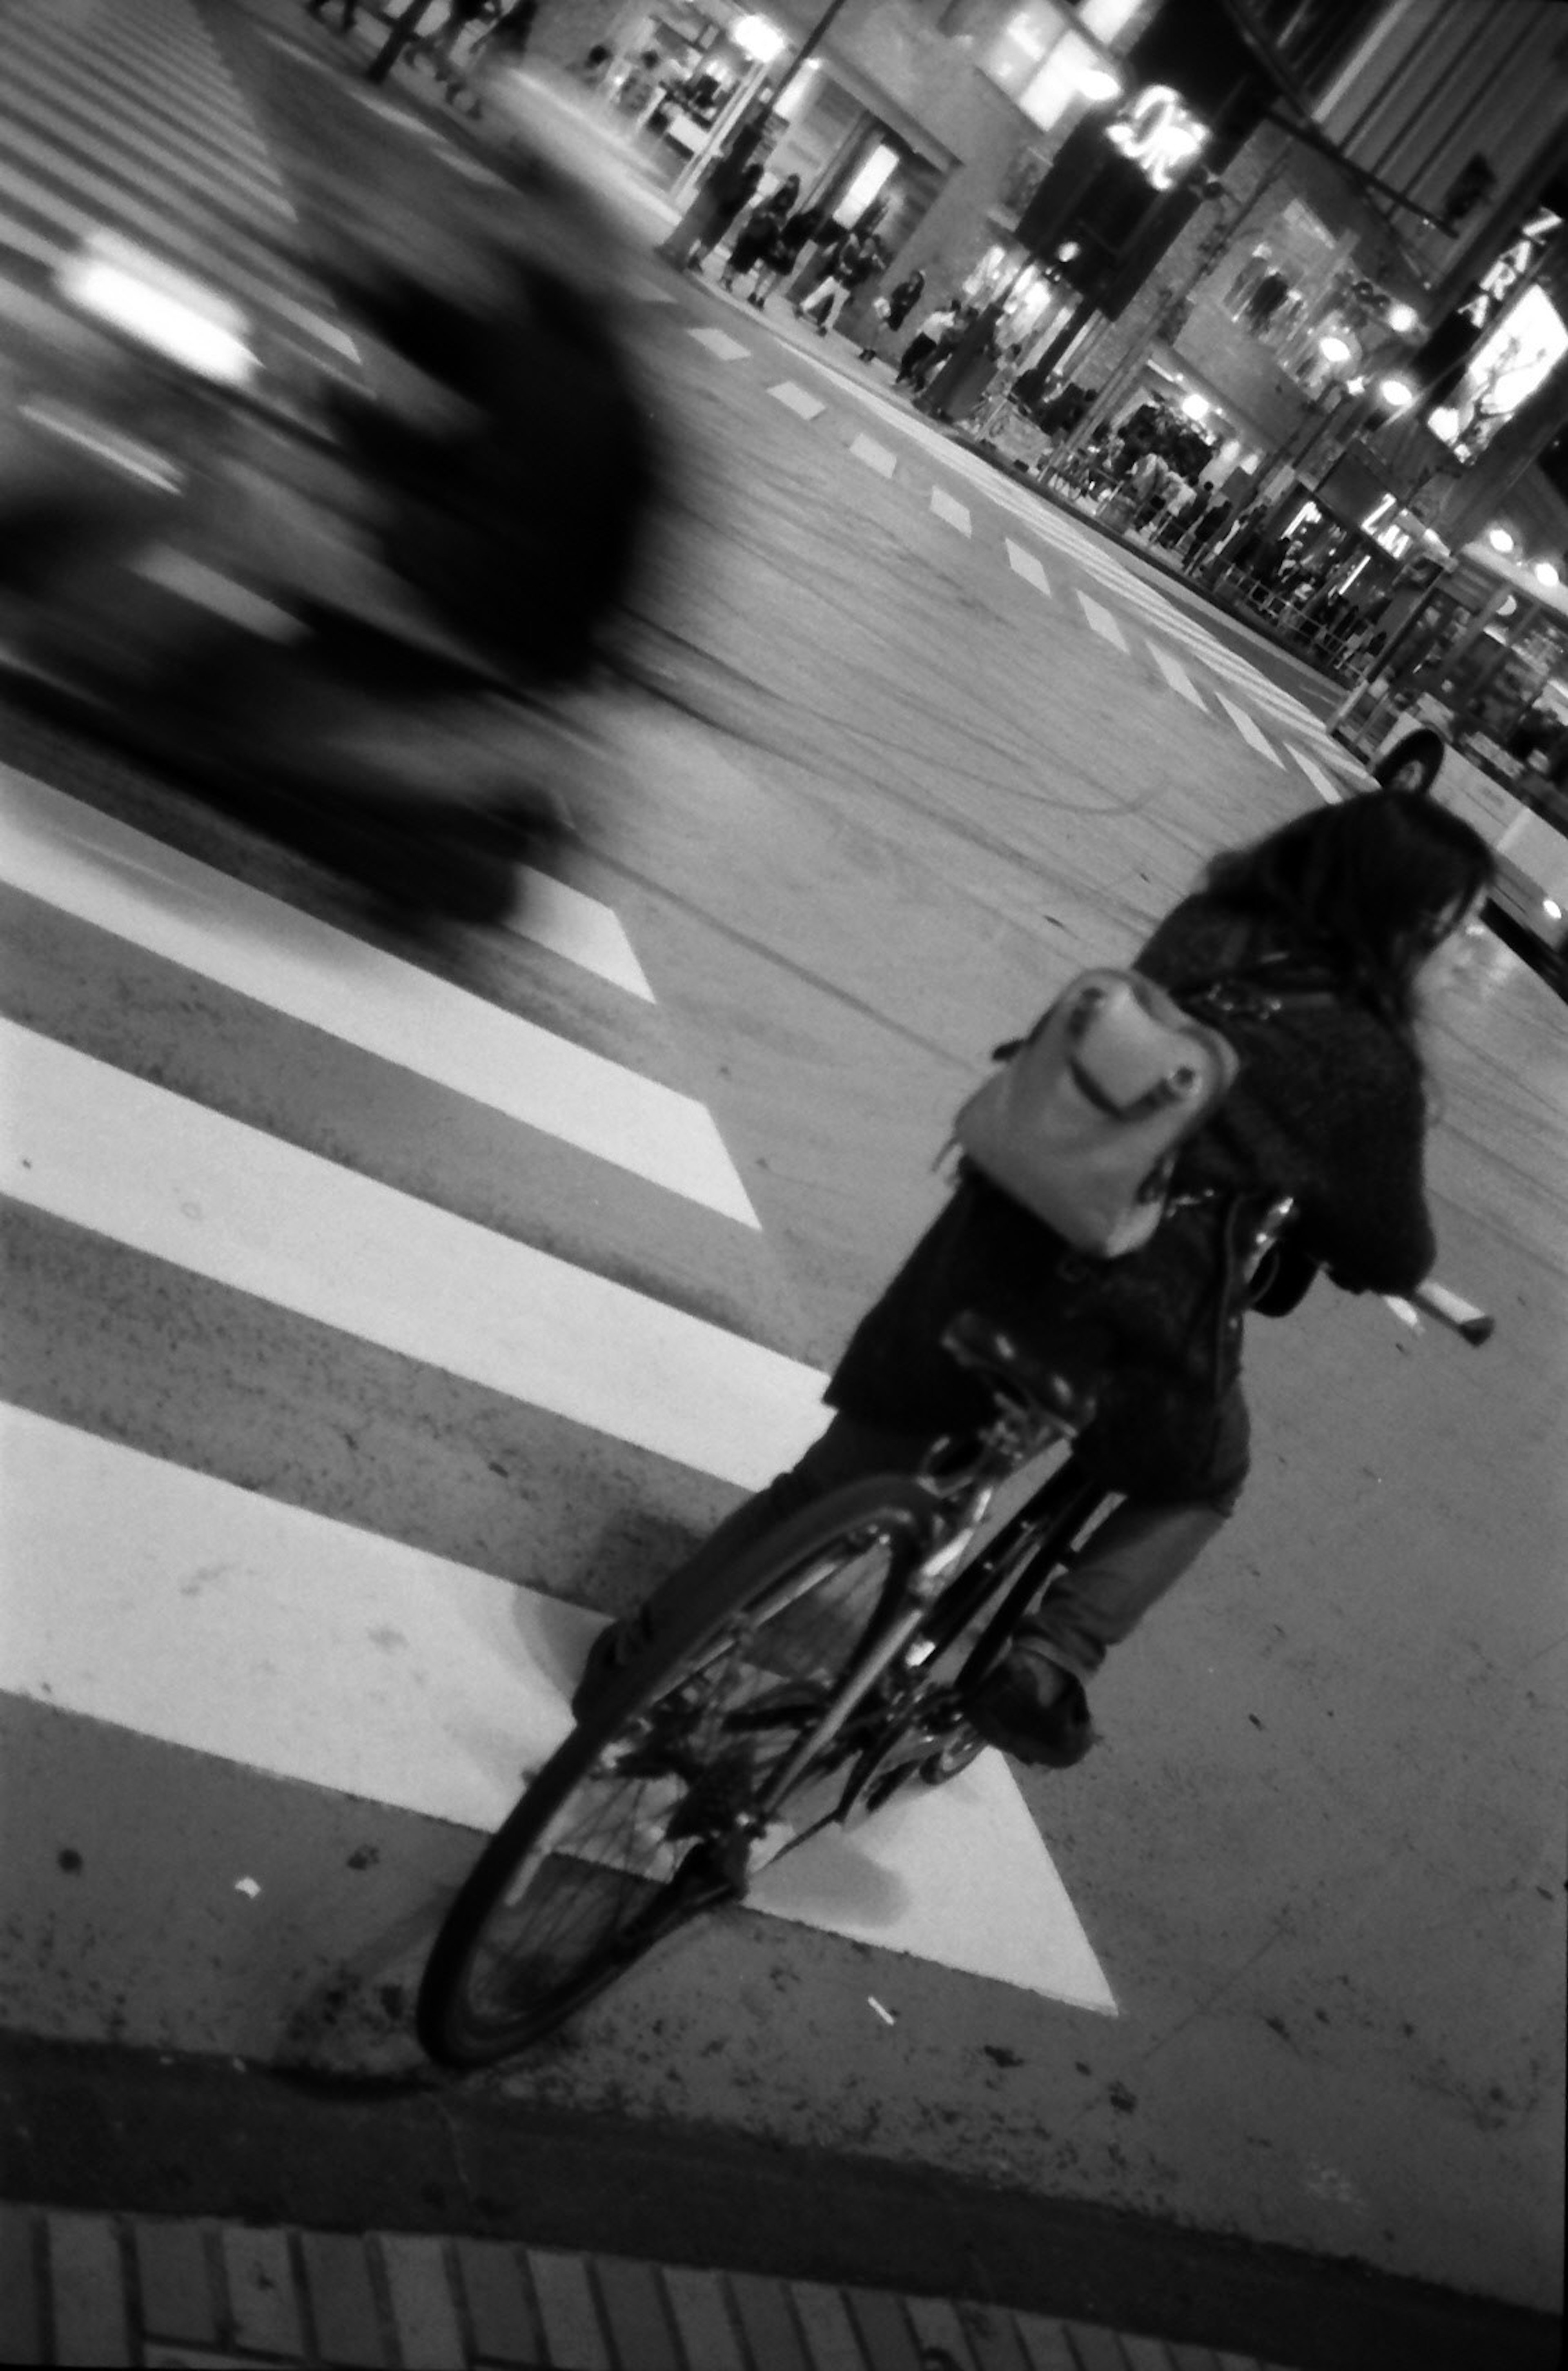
x: 1158, y: 134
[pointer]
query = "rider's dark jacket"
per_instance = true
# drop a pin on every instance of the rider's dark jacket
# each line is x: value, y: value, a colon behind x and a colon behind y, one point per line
x: 1329, y: 1106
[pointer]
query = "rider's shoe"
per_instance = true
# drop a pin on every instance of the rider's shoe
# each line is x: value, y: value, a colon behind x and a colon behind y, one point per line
x: 1035, y: 1711
x: 608, y: 1658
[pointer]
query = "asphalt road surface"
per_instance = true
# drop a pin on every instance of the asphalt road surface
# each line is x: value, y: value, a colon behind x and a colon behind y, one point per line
x: 379, y: 1317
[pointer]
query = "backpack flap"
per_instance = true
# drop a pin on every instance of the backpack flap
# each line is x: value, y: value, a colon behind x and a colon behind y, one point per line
x: 1082, y: 1125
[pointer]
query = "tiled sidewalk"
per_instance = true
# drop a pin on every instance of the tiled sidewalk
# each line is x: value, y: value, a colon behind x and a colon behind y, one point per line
x: 112, y: 2289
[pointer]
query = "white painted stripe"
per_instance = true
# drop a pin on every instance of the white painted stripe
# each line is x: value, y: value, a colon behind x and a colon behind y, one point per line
x: 1026, y: 565
x: 1176, y: 675
x: 77, y: 69
x: 725, y: 348
x: 116, y: 199
x: 101, y: 1150
x: 164, y: 232
x: 1101, y: 620
x: 85, y: 126
x: 950, y: 512
x: 22, y: 238
x: 875, y: 456
x: 391, y: 109
x: 186, y: 1609
x: 1325, y: 789
x: 795, y: 398
x: 1249, y: 730
x: 587, y: 933
x: 119, y: 880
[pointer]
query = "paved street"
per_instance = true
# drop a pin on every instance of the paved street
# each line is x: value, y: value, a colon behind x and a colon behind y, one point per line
x: 380, y: 1319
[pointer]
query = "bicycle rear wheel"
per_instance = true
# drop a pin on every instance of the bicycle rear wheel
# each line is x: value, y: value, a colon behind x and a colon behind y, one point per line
x: 646, y: 1815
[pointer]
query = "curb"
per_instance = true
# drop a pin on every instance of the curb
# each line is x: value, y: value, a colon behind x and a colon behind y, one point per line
x: 120, y: 2289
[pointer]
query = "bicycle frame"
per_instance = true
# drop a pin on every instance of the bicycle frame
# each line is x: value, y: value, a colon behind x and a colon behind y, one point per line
x: 1045, y: 1525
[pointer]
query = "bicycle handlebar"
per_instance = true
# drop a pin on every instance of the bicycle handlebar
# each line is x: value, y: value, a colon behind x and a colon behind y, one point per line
x: 1472, y: 1325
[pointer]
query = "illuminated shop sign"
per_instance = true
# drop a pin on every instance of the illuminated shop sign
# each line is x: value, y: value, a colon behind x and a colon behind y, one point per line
x: 1505, y: 370
x: 1159, y: 133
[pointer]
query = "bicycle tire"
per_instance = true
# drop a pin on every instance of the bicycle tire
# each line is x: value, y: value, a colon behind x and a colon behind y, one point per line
x: 484, y: 1997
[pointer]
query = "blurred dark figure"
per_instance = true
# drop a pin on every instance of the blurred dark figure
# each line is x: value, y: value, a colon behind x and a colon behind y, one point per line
x: 516, y: 518
x: 347, y: 11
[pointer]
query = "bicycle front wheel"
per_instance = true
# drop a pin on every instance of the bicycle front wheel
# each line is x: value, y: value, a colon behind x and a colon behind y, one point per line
x: 648, y: 1815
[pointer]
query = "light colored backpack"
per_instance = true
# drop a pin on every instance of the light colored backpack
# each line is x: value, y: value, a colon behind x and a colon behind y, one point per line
x: 1083, y: 1121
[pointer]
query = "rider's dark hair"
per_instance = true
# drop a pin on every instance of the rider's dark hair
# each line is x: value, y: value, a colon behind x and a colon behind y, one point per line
x: 1370, y: 886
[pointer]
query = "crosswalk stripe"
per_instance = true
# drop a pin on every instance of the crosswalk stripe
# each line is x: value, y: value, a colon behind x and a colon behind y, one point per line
x: 91, y: 866
x: 1102, y: 622
x: 1331, y: 792
x: 580, y: 928
x: 99, y: 1149
x: 185, y: 1609
x: 195, y: 238
x: 950, y: 512
x: 795, y: 398
x: 90, y: 129
x: 875, y: 456
x: 1176, y: 675
x: 724, y: 349
x: 40, y: 48
x: 1249, y: 730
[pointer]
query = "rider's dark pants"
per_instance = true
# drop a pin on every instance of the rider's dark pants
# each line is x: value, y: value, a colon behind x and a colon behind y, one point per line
x: 1124, y: 1567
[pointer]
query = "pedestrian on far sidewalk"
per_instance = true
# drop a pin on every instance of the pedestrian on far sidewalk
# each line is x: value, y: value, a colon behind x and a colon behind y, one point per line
x: 784, y: 253
x: 731, y: 185
x: 860, y: 258
x: 761, y: 228
x: 893, y: 309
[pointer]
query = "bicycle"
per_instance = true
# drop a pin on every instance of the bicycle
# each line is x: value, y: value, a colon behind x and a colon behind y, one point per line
x: 830, y: 1665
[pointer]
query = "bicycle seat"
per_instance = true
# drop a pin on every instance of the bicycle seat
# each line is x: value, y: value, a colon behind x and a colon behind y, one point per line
x: 983, y: 1348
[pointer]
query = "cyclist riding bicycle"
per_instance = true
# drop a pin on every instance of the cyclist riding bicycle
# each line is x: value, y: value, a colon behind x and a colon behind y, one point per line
x: 1352, y: 914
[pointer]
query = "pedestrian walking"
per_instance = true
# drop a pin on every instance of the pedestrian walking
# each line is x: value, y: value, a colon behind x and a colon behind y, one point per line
x: 858, y: 260
x: 893, y: 309
x: 730, y: 186
x: 755, y: 238
x: 827, y: 240
x: 917, y: 355
x: 784, y: 253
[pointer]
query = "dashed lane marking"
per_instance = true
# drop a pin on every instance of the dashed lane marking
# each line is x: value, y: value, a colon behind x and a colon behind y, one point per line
x: 1176, y: 675
x: 1102, y: 622
x: 950, y: 512
x: 1247, y: 727
x: 1024, y: 563
x: 875, y: 456
x: 724, y: 349
x: 795, y: 398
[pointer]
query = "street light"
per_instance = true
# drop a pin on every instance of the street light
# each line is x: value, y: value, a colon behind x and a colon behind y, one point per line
x: 1097, y: 83
x: 1402, y: 320
x: 1499, y: 538
x: 1333, y: 348
x: 1396, y: 393
x: 1546, y: 573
